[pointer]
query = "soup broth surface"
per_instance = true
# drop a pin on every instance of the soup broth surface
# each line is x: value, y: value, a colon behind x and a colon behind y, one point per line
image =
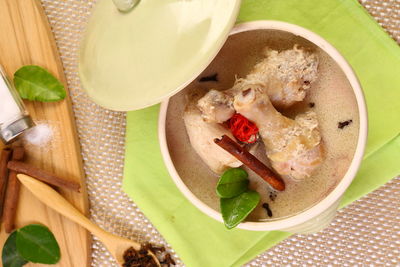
x: 330, y: 96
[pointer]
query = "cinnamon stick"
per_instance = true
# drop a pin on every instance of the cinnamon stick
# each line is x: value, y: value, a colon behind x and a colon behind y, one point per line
x: 4, y: 158
x: 251, y: 161
x: 12, y: 193
x: 42, y: 175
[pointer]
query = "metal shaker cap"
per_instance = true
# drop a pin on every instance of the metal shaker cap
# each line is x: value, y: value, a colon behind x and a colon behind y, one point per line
x: 13, y: 130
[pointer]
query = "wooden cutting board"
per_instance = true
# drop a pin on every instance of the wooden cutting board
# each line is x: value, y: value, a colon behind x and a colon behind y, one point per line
x: 26, y: 38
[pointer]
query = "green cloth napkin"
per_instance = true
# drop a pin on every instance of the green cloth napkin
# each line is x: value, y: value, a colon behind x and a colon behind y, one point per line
x: 202, y: 241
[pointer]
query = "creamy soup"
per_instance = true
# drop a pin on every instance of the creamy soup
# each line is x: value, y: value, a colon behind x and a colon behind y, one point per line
x: 330, y: 96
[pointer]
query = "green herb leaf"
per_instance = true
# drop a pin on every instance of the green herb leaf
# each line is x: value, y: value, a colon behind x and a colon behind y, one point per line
x: 37, y: 84
x: 10, y: 256
x: 232, y: 183
x: 234, y: 210
x: 37, y: 244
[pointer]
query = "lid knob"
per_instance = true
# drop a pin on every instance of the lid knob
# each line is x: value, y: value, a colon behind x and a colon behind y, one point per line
x: 125, y: 5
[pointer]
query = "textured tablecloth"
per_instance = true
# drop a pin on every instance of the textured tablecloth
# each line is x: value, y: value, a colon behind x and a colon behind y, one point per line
x: 365, y: 233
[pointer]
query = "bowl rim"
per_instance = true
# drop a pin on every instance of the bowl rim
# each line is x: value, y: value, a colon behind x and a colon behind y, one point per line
x: 335, y: 194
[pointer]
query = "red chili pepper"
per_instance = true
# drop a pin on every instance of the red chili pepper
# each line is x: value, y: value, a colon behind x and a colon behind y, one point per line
x: 243, y: 129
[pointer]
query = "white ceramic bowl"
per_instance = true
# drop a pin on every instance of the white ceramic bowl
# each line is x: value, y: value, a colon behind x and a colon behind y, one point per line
x: 319, y: 215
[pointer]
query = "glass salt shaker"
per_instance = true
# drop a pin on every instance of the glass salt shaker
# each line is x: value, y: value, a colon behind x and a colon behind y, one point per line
x: 14, y: 118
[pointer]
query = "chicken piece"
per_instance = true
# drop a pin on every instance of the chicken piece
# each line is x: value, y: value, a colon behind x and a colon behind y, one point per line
x: 216, y: 106
x: 286, y: 75
x: 293, y: 146
x: 202, y: 135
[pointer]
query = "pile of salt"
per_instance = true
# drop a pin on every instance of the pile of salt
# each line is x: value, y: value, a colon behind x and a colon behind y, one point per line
x: 40, y: 135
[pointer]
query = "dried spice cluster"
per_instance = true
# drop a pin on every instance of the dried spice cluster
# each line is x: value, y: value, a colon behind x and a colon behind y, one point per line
x: 142, y: 258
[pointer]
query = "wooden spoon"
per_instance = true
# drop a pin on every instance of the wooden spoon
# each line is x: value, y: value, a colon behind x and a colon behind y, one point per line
x: 115, y: 244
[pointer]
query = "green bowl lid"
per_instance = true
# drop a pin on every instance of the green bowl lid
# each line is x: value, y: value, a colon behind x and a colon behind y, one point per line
x: 129, y: 61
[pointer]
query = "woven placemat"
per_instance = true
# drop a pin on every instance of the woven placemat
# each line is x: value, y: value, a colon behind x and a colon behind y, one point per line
x: 365, y: 233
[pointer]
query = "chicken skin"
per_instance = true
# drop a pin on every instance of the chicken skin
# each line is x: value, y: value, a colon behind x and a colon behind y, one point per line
x: 293, y: 146
x: 202, y: 135
x: 216, y: 106
x: 286, y: 76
